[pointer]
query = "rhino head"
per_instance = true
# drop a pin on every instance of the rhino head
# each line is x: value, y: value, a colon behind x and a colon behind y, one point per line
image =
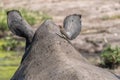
x: 50, y: 57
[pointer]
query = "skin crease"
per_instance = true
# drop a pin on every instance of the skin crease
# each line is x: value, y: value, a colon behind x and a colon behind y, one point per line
x: 71, y: 26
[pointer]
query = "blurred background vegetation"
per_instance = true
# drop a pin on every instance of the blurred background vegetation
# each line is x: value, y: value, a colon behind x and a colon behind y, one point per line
x: 12, y: 47
x: 110, y: 57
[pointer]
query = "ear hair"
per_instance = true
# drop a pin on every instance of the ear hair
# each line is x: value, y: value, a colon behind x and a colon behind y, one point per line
x: 77, y: 15
x: 7, y: 12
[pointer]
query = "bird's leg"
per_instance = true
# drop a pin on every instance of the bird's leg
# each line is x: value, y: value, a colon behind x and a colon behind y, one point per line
x: 64, y: 34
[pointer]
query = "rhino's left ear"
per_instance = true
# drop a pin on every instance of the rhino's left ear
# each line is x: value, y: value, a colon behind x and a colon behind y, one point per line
x: 19, y: 26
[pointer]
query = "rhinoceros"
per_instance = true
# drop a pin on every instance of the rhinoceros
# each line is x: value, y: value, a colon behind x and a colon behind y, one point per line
x: 50, y: 57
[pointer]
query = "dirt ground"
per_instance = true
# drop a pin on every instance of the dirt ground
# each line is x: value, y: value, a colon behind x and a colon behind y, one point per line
x: 100, y: 19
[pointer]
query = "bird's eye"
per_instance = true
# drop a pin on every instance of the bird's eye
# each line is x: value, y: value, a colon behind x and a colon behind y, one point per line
x: 72, y: 20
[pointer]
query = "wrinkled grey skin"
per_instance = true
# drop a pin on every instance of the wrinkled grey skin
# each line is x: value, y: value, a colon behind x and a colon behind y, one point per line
x: 20, y: 27
x: 72, y: 25
x: 50, y: 57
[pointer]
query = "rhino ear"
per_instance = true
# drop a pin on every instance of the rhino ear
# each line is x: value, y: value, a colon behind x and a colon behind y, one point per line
x: 77, y: 15
x: 18, y: 25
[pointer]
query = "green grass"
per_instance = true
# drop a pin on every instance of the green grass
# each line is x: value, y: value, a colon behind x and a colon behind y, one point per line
x: 9, y: 62
x: 111, y: 57
x: 3, y: 20
x: 6, y: 72
x: 113, y: 17
x: 9, y: 43
x: 2, y: 42
x: 34, y: 17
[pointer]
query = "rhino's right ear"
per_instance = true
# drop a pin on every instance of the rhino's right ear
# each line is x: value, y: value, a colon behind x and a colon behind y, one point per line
x: 19, y: 26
